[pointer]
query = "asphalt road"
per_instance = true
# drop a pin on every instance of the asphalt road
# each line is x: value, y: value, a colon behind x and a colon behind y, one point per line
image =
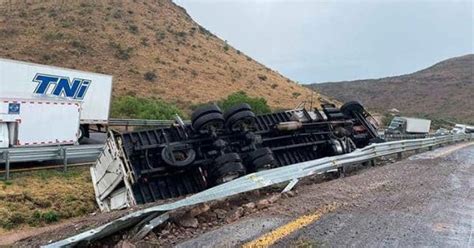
x: 435, y: 214
x: 426, y: 200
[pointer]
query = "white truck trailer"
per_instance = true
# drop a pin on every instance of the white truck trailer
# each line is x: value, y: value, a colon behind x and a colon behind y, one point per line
x: 38, y: 122
x: 21, y: 81
x: 462, y: 128
x: 408, y: 125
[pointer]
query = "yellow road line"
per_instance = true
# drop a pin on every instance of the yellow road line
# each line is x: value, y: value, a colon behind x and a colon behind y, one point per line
x: 270, y: 238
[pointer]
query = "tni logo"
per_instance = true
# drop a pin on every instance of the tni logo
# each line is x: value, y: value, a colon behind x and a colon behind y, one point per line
x: 61, y: 86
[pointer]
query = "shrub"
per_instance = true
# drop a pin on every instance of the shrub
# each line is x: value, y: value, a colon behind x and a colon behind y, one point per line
x: 262, y: 77
x: 50, y: 216
x: 160, y: 35
x: 150, y: 76
x: 121, y: 52
x: 296, y: 94
x: 259, y: 104
x: 133, y: 29
x: 143, y: 108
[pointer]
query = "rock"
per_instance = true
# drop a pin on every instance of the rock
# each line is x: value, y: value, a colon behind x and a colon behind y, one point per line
x: 235, y: 215
x: 125, y: 244
x: 209, y: 215
x: 187, y: 221
x: 220, y: 213
x: 250, y: 205
x: 289, y: 194
x: 264, y: 203
x: 274, y: 198
x: 200, y: 209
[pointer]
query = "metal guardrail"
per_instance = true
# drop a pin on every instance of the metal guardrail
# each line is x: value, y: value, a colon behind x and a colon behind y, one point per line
x: 64, y: 153
x: 147, y: 219
x: 141, y: 122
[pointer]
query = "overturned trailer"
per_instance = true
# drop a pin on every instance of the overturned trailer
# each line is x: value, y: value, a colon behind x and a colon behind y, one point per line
x: 149, y: 165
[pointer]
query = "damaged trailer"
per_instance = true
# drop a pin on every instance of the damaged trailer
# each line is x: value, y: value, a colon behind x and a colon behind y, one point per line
x: 148, y: 165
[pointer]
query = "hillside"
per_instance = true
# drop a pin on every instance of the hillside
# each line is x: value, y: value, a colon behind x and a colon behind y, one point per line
x: 151, y: 47
x: 442, y: 91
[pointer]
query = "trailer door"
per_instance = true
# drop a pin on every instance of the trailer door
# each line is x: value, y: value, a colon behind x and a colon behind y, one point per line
x: 4, y: 136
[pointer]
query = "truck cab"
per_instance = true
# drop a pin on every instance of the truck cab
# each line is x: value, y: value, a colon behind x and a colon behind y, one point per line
x: 408, y: 125
x: 396, y: 125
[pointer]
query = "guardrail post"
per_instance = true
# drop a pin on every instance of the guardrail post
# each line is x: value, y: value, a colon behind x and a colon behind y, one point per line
x: 6, y: 157
x: 64, y: 155
x: 430, y: 148
x: 399, y: 155
x: 372, y: 162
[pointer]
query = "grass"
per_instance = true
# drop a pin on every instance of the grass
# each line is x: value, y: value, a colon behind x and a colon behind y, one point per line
x: 44, y: 197
x: 143, y: 108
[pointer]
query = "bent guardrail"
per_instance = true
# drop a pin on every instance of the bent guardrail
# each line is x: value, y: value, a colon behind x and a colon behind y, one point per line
x: 290, y: 174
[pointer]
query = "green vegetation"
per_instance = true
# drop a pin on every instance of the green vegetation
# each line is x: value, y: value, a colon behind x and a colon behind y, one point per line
x: 133, y: 29
x: 259, y: 104
x: 296, y: 94
x: 121, y: 52
x: 142, y: 108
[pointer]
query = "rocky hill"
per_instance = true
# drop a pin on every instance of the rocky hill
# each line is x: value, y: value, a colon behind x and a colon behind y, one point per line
x: 442, y: 91
x: 152, y: 48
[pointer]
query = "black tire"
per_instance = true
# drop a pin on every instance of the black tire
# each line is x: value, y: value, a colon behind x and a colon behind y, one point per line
x: 83, y: 133
x: 227, y: 158
x: 353, y: 106
x: 264, y: 163
x: 241, y: 119
x: 188, y: 157
x: 208, y: 121
x: 228, y: 172
x: 259, y: 153
x: 205, y: 110
x: 262, y: 159
x: 237, y: 108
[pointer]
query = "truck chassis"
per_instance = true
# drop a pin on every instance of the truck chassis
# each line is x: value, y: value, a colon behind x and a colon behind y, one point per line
x: 218, y: 147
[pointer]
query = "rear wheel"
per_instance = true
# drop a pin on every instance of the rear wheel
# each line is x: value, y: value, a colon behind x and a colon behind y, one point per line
x: 82, y: 133
x: 207, y: 118
x: 240, y: 117
x: 227, y: 168
x: 262, y: 159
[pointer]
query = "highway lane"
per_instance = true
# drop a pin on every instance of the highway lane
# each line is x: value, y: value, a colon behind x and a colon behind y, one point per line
x: 426, y: 200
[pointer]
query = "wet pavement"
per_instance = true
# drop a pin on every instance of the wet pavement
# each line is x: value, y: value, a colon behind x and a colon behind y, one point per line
x: 424, y: 201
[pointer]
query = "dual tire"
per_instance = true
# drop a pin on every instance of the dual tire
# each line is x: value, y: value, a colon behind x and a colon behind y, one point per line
x: 238, y: 117
x: 226, y: 168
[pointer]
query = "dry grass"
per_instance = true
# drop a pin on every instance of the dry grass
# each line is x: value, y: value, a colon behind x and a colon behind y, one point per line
x: 132, y: 40
x: 43, y: 197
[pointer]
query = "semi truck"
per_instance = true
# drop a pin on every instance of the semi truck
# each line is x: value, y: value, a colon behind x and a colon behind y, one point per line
x: 408, y: 125
x: 144, y: 166
x: 462, y: 128
x: 46, y: 94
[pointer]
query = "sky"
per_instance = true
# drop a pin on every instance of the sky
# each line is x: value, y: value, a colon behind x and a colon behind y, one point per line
x: 313, y: 41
